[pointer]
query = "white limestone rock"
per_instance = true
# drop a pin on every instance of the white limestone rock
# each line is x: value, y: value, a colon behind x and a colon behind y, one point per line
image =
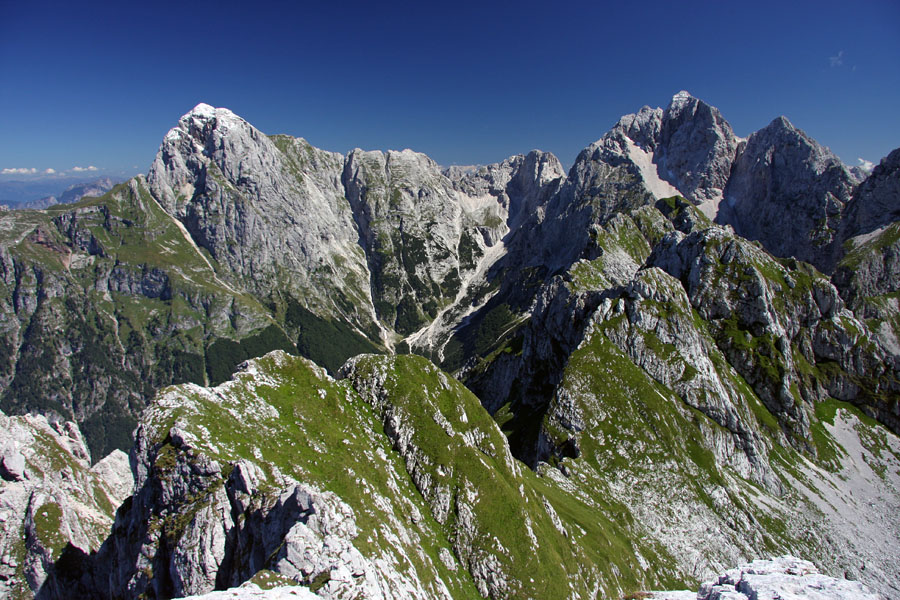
x: 251, y: 591
x: 271, y: 210
x: 789, y: 193
x: 785, y: 577
x: 696, y: 149
x: 51, y: 501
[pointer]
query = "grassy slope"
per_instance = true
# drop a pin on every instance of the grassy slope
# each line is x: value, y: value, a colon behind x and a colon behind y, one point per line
x: 300, y: 423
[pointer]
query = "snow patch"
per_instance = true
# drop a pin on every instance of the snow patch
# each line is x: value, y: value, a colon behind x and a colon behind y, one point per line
x: 203, y: 110
x: 652, y: 181
x: 710, y: 207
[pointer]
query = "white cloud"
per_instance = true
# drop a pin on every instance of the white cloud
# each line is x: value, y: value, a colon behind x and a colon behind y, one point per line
x: 837, y: 61
x: 865, y: 165
x: 49, y: 171
x: 19, y: 171
x: 83, y: 169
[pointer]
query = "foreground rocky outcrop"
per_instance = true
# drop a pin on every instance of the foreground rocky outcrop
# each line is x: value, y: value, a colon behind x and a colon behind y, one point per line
x: 240, y: 478
x: 252, y: 592
x: 55, y: 508
x: 783, y: 577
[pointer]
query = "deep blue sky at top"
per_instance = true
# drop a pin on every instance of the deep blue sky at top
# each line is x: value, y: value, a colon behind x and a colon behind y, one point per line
x: 465, y: 82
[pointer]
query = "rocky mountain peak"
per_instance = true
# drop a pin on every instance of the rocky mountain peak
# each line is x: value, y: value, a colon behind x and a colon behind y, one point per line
x: 781, y: 122
x: 783, y: 171
x: 205, y: 112
x: 541, y: 167
x: 642, y: 127
x: 686, y: 150
x: 781, y: 132
x: 876, y: 202
x: 681, y: 99
x: 201, y: 121
x: 696, y: 148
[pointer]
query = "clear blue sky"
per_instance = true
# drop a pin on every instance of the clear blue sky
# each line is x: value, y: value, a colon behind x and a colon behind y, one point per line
x: 99, y: 84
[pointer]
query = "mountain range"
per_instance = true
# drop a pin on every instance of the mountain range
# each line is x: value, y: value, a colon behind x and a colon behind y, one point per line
x: 512, y: 381
x: 33, y: 194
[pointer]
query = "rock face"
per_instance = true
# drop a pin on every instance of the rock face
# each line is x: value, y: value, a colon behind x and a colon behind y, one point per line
x: 270, y: 211
x: 54, y: 507
x: 696, y: 149
x: 421, y: 236
x: 875, y: 202
x: 752, y: 301
x: 868, y: 275
x: 783, y: 577
x: 870, y: 267
x: 783, y: 171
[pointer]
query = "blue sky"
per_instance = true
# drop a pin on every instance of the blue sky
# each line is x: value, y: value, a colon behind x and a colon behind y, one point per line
x: 98, y: 84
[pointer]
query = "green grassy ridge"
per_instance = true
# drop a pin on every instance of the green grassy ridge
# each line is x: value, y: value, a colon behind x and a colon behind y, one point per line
x: 630, y: 421
x: 603, y: 540
x: 302, y: 424
x: 418, y: 390
x: 330, y: 438
x: 668, y: 315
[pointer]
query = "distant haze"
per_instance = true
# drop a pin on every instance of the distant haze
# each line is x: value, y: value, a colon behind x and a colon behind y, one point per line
x: 18, y: 191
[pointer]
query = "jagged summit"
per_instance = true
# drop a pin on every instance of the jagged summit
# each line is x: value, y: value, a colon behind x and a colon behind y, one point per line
x: 680, y: 99
x: 642, y: 127
x: 782, y: 171
x: 202, y: 117
x: 204, y: 111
